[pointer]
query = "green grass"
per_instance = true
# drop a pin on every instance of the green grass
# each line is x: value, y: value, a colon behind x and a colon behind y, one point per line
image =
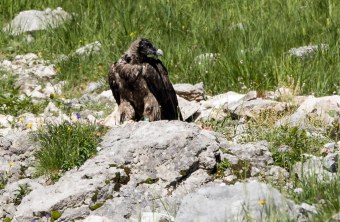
x: 254, y: 57
x: 297, y: 141
x: 325, y: 194
x: 64, y: 147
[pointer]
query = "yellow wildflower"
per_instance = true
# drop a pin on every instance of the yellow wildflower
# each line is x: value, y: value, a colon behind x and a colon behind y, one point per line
x: 262, y: 202
x: 29, y: 125
x: 69, y: 128
x: 21, y: 119
x: 11, y: 163
x: 132, y: 34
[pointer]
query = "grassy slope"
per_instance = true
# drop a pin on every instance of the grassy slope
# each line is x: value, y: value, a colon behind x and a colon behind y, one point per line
x: 253, y: 58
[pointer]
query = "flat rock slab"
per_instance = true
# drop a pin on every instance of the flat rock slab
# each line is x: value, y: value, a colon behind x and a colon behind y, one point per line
x: 238, y: 202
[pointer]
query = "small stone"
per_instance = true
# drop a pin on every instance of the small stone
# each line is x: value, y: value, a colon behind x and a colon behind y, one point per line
x: 330, y: 162
x: 91, y: 119
x: 95, y: 218
x: 51, y: 109
x: 327, y: 148
x: 283, y: 149
x: 89, y: 49
x: 255, y: 171
x: 206, y: 58
x: 336, y: 217
x: 298, y: 190
x: 306, y: 208
x: 230, y: 179
x: 305, y: 51
x: 156, y: 217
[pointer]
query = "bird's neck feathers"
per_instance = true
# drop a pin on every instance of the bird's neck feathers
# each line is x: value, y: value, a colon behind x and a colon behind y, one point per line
x: 134, y: 55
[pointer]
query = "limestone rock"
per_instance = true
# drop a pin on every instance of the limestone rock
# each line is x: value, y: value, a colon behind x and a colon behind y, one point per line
x: 324, y: 109
x: 313, y: 167
x: 136, y: 162
x: 155, y: 217
x: 305, y: 51
x: 234, y: 203
x: 112, y: 119
x: 330, y: 162
x: 257, y: 154
x: 206, y: 58
x: 95, y: 218
x: 190, y: 92
x: 213, y: 108
x: 188, y: 108
x: 5, y: 121
x: 336, y: 217
x: 34, y: 20
x: 29, y: 68
x: 254, y: 107
x: 89, y: 49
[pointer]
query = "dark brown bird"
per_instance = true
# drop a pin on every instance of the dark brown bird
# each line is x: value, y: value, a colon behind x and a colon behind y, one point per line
x: 140, y: 85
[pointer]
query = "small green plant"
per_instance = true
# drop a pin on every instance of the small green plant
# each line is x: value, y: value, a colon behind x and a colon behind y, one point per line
x: 55, y: 215
x: 95, y: 206
x: 222, y: 166
x: 21, y: 192
x: 297, y: 141
x: 65, y: 146
x: 12, y: 101
x: 7, y: 219
x: 3, y: 179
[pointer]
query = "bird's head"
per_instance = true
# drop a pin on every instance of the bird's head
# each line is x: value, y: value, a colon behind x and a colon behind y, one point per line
x: 145, y: 48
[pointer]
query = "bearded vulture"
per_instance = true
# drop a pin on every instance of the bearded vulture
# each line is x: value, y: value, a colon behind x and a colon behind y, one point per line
x: 140, y: 85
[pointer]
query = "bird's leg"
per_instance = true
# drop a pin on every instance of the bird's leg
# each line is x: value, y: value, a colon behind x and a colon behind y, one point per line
x: 152, y: 110
x: 126, y: 111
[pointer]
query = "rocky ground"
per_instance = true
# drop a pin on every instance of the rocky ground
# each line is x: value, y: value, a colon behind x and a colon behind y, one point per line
x: 164, y: 170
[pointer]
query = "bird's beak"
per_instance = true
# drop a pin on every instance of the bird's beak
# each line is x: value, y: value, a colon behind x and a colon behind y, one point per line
x: 159, y: 52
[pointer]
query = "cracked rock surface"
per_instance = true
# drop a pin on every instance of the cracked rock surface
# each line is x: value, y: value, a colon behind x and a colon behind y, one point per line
x: 138, y: 164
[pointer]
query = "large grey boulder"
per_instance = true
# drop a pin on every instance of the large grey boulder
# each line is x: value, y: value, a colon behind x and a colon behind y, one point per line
x: 140, y: 167
x: 34, y: 20
x: 240, y: 202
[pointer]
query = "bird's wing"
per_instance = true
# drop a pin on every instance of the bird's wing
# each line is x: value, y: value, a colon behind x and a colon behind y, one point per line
x: 156, y: 76
x: 113, y: 78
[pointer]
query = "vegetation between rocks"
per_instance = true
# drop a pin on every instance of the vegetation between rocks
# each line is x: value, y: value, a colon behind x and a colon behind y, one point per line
x: 65, y: 146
